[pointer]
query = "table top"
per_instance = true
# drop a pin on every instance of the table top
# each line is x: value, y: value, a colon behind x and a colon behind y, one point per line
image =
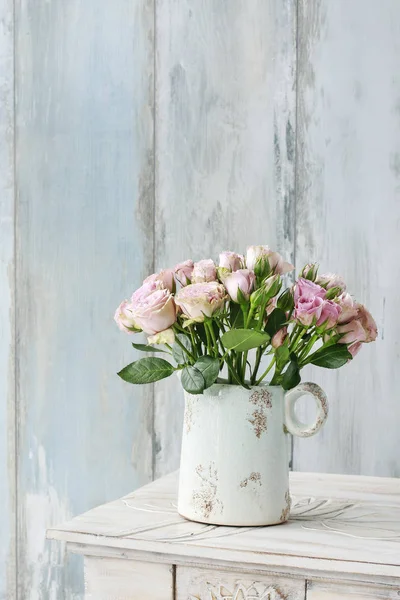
x: 342, y: 523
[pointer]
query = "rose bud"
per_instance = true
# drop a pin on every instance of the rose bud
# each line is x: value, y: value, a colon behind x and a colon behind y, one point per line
x: 354, y: 348
x: 124, y: 318
x: 310, y: 271
x: 231, y: 261
x: 279, y: 338
x: 331, y: 280
x: 165, y: 277
x: 242, y: 280
x: 156, y: 312
x: 200, y: 300
x: 183, y: 272
x: 204, y: 271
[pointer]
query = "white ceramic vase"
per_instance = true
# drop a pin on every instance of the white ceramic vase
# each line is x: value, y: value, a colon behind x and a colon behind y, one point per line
x: 235, y: 458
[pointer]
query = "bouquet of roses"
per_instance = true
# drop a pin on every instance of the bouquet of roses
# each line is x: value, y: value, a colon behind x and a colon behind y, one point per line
x: 207, y: 316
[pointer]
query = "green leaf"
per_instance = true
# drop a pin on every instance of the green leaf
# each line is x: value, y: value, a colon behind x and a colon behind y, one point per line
x: 244, y: 339
x: 291, y: 376
x: 281, y: 357
x: 146, y: 370
x: 179, y: 355
x: 235, y: 315
x: 192, y: 380
x: 145, y: 348
x: 330, y: 357
x: 209, y: 368
x: 276, y: 320
x: 286, y: 300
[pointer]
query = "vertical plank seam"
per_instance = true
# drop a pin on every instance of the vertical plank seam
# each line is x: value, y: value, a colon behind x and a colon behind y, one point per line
x: 296, y: 154
x: 153, y: 395
x: 15, y: 325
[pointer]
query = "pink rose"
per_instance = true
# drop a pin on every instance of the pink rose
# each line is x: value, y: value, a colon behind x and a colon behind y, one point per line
x: 306, y: 289
x: 204, y: 271
x: 145, y: 290
x: 124, y: 318
x: 353, y: 332
x: 155, y: 312
x: 368, y: 324
x: 329, y: 314
x: 255, y: 254
x: 200, y: 300
x: 279, y: 338
x: 308, y: 310
x: 361, y: 329
x: 183, y: 272
x: 348, y: 306
x: 331, y: 280
x: 165, y: 277
x: 354, y: 348
x: 231, y: 261
x: 242, y: 280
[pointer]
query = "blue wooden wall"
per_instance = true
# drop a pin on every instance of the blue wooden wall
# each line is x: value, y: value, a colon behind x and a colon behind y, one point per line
x: 138, y: 133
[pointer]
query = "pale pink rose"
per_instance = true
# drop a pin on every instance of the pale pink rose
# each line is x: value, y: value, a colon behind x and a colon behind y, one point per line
x: 183, y: 272
x: 165, y: 277
x: 200, y: 300
x: 308, y: 310
x: 279, y: 338
x: 242, y: 279
x: 353, y: 332
x: 145, y: 290
x: 255, y: 254
x: 331, y: 280
x: 204, y: 271
x: 354, y: 348
x: 329, y: 314
x: 231, y: 261
x: 156, y: 312
x: 306, y: 289
x: 348, y: 306
x: 368, y: 323
x: 124, y: 318
x: 164, y: 337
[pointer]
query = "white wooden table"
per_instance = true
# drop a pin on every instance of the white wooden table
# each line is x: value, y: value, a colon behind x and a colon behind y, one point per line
x: 342, y: 542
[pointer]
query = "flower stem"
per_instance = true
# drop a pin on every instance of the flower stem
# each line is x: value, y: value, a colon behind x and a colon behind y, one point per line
x: 271, y: 364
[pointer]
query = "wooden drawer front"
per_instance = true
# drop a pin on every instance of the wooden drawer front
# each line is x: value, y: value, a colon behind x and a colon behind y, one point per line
x: 208, y: 584
x: 118, y: 579
x: 349, y: 591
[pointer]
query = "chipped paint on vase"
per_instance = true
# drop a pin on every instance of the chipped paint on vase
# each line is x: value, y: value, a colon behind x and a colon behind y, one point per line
x: 235, y: 452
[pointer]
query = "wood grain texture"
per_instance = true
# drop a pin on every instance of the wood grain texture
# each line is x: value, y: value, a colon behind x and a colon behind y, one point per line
x: 345, y: 526
x: 348, y: 215
x: 7, y: 312
x: 85, y: 220
x: 337, y: 591
x: 225, y: 139
x: 206, y: 584
x: 114, y: 579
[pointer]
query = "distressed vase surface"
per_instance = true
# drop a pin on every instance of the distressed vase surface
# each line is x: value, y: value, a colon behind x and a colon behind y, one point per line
x: 235, y: 452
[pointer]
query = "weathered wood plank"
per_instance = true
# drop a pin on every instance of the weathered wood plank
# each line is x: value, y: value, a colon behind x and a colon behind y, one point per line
x: 225, y: 119
x: 114, y: 579
x: 85, y: 220
x: 348, y: 215
x: 7, y: 312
